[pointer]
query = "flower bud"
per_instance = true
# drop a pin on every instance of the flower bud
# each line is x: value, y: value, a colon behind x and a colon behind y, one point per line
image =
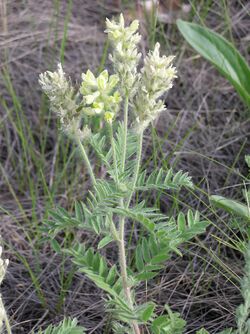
x: 108, y: 116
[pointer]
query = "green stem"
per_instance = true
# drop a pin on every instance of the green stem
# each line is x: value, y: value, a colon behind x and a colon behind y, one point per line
x: 125, y: 132
x: 4, y: 317
x: 86, y: 160
x: 136, y: 173
x: 114, y: 152
x: 112, y: 225
x: 123, y: 265
x: 137, y: 168
x: 7, y: 324
x: 124, y: 275
x: 121, y: 234
x: 121, y: 242
x: 122, y: 254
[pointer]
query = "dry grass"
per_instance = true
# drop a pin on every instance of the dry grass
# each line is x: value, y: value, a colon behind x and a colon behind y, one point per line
x: 205, y: 132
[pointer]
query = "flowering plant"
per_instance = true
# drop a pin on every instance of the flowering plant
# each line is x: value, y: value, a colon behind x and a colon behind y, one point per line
x: 109, y: 208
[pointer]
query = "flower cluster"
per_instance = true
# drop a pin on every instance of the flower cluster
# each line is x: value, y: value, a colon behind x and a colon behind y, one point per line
x: 125, y: 56
x: 99, y: 94
x: 63, y: 101
x: 157, y: 77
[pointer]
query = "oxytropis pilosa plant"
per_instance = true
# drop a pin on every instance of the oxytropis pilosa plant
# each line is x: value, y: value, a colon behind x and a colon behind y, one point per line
x: 125, y: 103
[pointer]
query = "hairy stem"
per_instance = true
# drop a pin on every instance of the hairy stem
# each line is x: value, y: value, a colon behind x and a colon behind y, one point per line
x: 86, y: 160
x: 123, y: 266
x: 121, y: 242
x: 114, y: 152
x: 4, y: 318
x: 7, y: 324
x: 112, y: 225
x: 122, y: 223
x: 137, y: 167
x: 125, y: 132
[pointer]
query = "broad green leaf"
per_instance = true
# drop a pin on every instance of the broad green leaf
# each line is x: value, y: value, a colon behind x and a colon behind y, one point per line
x: 247, y: 160
x: 161, y: 257
x: 138, y: 259
x: 145, y: 250
x: 79, y: 211
x: 105, y: 241
x: 99, y: 282
x: 231, y: 206
x: 153, y: 267
x: 55, y: 245
x: 181, y: 221
x: 111, y: 278
x: 146, y: 311
x: 168, y: 324
x: 119, y: 328
x: 202, y: 331
x: 221, y: 53
x: 102, y: 267
x: 228, y: 331
x: 158, y: 323
x: 145, y: 276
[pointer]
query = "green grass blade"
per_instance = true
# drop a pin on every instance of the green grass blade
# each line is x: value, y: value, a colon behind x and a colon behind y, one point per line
x: 65, y: 30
